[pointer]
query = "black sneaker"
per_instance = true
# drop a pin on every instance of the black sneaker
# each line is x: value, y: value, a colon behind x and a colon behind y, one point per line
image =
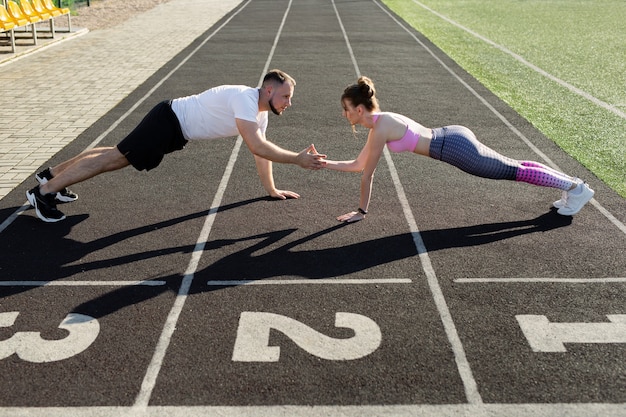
x: 63, y: 196
x: 45, y: 206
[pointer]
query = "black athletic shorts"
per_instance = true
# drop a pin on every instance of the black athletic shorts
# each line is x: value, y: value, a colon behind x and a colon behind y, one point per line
x: 158, y: 133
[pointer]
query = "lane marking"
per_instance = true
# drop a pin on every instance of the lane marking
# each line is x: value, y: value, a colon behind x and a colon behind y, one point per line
x: 147, y: 386
x: 252, y: 343
x: 545, y: 336
x: 530, y: 65
x: 324, y: 281
x: 13, y: 216
x: 499, y: 115
x: 79, y: 283
x: 540, y: 280
x: 345, y: 36
x: 149, y: 381
x: 465, y: 370
x: 430, y: 410
x: 82, y: 331
x: 463, y: 366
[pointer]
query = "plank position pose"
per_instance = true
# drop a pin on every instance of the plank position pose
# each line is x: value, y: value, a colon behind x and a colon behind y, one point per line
x: 456, y: 145
x: 224, y: 111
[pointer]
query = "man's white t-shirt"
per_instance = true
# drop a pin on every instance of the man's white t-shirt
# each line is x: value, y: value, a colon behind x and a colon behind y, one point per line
x: 212, y: 114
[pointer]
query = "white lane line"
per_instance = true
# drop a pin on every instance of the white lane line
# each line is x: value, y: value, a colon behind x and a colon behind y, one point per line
x: 541, y: 280
x: 608, y: 215
x: 149, y: 381
x: 61, y: 283
x: 345, y: 36
x: 463, y: 366
x: 325, y: 281
x: 143, y: 398
x: 462, y: 363
x: 504, y: 120
x: 530, y: 65
x: 13, y: 216
x: 409, y: 410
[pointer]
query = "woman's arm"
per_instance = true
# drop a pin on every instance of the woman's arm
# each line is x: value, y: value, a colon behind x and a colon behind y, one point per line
x: 356, y: 165
x: 370, y: 155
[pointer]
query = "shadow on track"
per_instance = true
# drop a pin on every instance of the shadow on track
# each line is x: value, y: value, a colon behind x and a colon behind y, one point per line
x: 482, y: 234
x: 31, y: 250
x: 318, y: 263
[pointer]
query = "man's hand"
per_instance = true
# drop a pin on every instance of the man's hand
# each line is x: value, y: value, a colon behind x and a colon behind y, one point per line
x: 310, y: 159
x: 283, y: 194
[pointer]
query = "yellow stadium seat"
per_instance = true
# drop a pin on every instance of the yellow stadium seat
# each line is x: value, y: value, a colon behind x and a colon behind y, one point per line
x: 56, y: 11
x: 6, y: 25
x: 30, y: 11
x: 17, y: 12
x: 39, y: 8
x: 6, y: 22
x: 21, y: 19
x: 50, y: 6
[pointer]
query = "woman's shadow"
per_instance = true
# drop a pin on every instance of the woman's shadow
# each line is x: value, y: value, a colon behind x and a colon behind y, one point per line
x: 256, y: 262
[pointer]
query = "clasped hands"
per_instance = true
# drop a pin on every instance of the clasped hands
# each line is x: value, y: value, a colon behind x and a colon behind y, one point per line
x: 309, y: 158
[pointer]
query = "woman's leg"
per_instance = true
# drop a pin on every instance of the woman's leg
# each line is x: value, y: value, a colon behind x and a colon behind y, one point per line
x: 542, y: 175
x: 458, y: 146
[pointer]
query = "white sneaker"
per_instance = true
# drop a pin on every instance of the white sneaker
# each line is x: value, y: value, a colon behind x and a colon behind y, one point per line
x: 575, y: 202
x: 562, y: 202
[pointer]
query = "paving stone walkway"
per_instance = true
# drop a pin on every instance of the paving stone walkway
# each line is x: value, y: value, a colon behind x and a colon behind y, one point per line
x: 51, y: 95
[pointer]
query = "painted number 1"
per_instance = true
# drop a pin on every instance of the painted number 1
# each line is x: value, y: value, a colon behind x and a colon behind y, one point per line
x: 252, y: 343
x: 544, y: 336
x: 29, y: 346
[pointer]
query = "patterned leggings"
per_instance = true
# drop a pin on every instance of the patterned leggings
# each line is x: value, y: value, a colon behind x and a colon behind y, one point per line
x: 458, y: 146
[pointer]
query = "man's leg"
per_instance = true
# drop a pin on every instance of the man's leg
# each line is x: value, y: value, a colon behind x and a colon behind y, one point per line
x: 57, y: 169
x: 84, y: 166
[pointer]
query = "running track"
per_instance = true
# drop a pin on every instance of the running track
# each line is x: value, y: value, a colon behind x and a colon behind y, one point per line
x: 185, y: 291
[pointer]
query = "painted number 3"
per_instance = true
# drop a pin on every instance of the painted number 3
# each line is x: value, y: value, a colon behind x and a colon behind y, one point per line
x: 252, y: 343
x: 29, y: 346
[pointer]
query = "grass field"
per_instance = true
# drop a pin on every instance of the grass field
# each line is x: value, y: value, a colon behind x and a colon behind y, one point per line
x: 561, y: 64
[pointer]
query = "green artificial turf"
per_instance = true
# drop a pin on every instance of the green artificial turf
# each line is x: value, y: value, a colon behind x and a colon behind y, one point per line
x: 580, y: 42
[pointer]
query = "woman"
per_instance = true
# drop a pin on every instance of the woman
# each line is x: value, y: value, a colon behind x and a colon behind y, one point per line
x: 456, y: 145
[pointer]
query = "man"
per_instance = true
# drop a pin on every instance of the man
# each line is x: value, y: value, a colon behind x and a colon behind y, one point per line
x: 223, y: 111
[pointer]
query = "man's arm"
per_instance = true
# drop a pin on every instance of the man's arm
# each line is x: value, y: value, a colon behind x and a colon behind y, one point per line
x: 264, y: 168
x: 259, y: 146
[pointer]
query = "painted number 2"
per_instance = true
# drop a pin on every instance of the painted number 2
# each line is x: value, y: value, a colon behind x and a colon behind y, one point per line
x: 252, y: 343
x: 29, y: 346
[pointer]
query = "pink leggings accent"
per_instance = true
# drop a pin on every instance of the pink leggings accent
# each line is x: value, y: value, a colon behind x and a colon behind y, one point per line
x: 542, y: 175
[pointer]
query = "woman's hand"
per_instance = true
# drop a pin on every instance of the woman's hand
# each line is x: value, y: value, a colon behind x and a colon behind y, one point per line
x: 353, y: 216
x: 284, y: 194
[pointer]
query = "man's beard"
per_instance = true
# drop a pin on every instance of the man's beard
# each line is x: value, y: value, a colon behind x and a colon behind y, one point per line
x: 276, y: 112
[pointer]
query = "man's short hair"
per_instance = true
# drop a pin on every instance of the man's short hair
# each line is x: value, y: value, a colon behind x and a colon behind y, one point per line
x: 278, y: 76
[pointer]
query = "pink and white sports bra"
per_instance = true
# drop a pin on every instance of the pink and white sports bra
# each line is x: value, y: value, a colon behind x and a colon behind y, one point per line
x: 406, y: 143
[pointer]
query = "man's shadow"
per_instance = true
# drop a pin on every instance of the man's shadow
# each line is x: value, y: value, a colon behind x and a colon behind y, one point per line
x: 32, y: 251
x: 323, y: 262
